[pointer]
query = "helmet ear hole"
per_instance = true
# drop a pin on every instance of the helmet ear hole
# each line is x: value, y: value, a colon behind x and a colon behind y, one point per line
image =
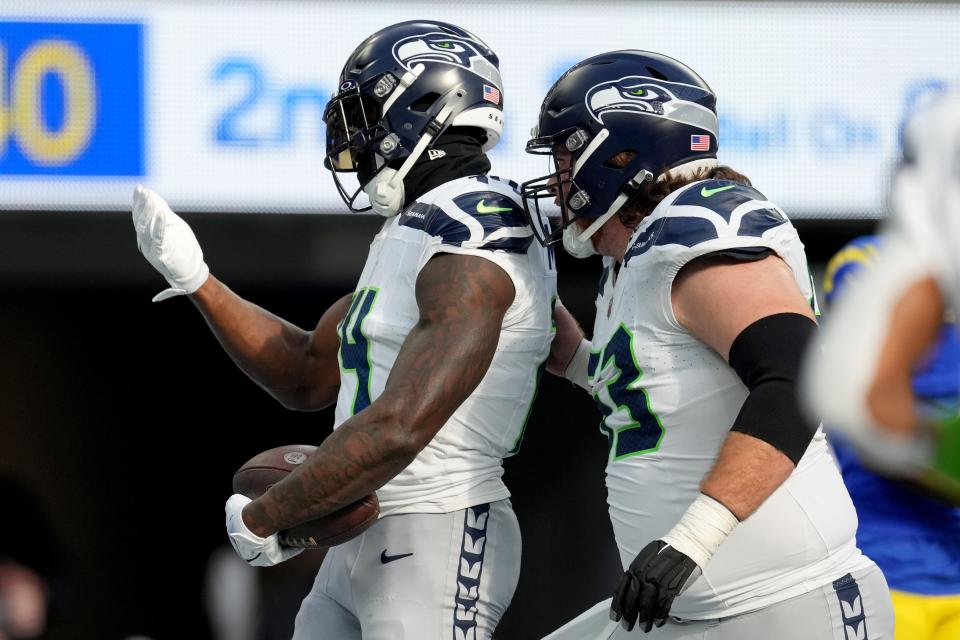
x: 424, y: 102
x: 620, y: 159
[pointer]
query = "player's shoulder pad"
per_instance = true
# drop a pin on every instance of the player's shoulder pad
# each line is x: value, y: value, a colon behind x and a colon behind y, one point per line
x: 707, y: 211
x: 479, y: 212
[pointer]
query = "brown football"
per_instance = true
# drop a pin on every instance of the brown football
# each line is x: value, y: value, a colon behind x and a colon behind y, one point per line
x: 265, y: 469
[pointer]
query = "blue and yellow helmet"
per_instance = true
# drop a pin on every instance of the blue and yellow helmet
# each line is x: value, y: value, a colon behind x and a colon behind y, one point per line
x: 936, y: 377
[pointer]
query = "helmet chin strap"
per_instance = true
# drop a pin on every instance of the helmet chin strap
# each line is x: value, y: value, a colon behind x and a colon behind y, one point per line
x: 579, y: 245
x: 642, y: 176
x: 405, y: 81
x: 385, y: 189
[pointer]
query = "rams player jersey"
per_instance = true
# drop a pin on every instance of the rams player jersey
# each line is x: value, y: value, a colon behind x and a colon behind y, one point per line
x: 913, y: 538
x: 478, y: 216
x: 668, y: 402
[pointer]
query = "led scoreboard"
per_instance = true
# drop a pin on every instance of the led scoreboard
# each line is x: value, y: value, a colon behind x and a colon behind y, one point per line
x: 71, y: 99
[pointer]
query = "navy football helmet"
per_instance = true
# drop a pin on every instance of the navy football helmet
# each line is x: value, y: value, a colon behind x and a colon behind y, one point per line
x: 649, y: 105
x: 399, y: 91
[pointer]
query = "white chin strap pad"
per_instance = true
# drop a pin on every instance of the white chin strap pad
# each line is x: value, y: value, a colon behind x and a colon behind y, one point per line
x: 574, y: 245
x: 385, y: 192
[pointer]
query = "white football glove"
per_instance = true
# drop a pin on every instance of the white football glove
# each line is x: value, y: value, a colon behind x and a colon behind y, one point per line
x: 168, y: 243
x: 255, y: 551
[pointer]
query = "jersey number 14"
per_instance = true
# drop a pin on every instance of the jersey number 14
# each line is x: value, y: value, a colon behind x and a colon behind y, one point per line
x: 354, y: 346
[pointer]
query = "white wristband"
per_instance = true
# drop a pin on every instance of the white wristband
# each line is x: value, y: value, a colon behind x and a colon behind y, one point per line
x: 188, y: 286
x: 703, y: 527
x: 576, y: 371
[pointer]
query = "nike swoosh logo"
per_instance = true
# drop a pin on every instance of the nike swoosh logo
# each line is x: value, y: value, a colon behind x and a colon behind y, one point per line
x: 482, y: 208
x: 249, y: 560
x: 384, y: 558
x: 706, y: 193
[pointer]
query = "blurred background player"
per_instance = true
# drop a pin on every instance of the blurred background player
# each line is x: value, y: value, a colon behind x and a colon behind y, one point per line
x: 256, y: 605
x: 31, y: 564
x: 439, y: 348
x: 730, y: 515
x: 913, y: 538
x: 859, y: 377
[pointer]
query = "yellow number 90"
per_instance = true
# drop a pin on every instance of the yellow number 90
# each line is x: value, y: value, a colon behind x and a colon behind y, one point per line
x: 25, y: 117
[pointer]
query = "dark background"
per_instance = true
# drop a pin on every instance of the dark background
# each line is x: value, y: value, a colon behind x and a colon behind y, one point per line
x: 127, y: 421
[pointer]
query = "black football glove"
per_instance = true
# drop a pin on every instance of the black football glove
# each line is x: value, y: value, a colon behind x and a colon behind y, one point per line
x: 647, y: 589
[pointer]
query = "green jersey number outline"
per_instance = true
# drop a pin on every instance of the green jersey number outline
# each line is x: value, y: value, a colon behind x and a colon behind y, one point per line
x: 354, y: 352
x: 644, y: 431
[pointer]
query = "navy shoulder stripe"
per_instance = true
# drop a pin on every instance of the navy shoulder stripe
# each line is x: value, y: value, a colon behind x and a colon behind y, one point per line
x: 756, y: 223
x: 513, y: 185
x: 720, y: 196
x: 603, y: 280
x: 434, y: 221
x: 485, y: 220
x: 686, y: 231
x: 510, y: 245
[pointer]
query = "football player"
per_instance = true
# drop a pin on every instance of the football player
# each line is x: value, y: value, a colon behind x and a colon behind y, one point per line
x: 439, y: 347
x: 730, y: 515
x: 860, y: 377
x: 914, y: 538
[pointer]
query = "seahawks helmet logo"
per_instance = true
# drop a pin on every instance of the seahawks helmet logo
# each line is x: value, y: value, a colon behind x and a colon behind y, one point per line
x: 435, y: 47
x: 642, y: 95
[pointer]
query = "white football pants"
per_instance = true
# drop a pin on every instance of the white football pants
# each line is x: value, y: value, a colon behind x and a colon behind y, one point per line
x: 417, y: 576
x: 854, y: 607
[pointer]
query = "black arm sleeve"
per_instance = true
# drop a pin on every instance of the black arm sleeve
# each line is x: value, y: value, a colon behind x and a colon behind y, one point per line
x: 767, y: 355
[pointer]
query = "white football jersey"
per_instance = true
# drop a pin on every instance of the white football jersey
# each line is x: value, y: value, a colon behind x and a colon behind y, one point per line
x: 479, y: 216
x: 926, y: 192
x: 668, y: 402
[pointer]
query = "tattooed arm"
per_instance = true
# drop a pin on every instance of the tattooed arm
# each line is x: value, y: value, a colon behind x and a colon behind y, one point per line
x: 299, y: 368
x: 462, y: 301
